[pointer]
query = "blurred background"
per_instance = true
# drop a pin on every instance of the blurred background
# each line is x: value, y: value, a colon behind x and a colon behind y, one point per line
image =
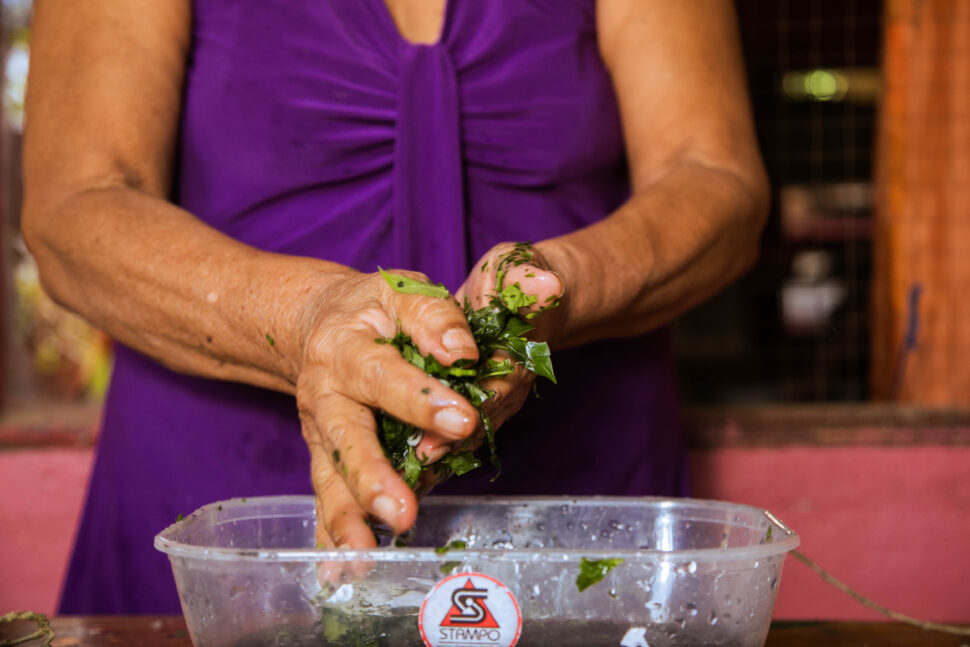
x: 829, y: 385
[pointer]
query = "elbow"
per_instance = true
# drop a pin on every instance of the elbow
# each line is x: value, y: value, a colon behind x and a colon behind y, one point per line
x: 754, y: 201
x: 32, y: 229
x: 38, y: 230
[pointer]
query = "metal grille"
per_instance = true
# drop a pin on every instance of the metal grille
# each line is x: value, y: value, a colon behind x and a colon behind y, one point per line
x: 798, y: 323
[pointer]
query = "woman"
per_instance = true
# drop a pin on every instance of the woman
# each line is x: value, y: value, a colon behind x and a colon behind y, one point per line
x: 214, y: 183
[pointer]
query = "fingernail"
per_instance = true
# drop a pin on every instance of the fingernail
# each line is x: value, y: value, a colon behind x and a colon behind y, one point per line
x: 433, y: 454
x: 387, y: 508
x: 452, y: 420
x: 455, y: 340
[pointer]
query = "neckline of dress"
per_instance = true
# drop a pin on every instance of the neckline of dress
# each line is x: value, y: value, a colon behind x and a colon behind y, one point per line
x: 388, y: 19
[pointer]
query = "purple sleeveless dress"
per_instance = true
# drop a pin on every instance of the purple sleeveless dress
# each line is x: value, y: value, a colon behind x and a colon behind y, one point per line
x: 313, y: 128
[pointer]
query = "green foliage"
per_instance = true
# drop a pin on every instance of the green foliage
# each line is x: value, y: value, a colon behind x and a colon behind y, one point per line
x: 496, y: 327
x: 457, y: 544
x: 592, y: 571
x: 406, y: 285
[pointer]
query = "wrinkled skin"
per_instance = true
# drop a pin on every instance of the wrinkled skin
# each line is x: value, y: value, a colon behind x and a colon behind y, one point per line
x: 346, y: 375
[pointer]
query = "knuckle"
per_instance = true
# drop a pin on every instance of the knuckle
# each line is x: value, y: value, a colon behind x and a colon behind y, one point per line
x: 376, y: 318
x: 327, y: 484
x: 366, y: 486
x: 370, y: 374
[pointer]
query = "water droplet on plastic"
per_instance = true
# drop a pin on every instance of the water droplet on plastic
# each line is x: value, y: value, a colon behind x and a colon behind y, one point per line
x: 692, y: 567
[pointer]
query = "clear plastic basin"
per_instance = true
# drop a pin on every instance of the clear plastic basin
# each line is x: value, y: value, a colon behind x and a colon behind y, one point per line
x: 692, y: 573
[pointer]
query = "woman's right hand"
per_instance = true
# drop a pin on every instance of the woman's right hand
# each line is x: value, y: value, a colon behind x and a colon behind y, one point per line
x: 345, y: 374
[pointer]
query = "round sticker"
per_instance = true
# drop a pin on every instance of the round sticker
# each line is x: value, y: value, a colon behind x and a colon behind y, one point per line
x: 470, y: 610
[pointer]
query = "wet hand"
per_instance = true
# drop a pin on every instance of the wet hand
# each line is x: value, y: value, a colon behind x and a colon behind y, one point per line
x: 504, y: 266
x: 345, y: 375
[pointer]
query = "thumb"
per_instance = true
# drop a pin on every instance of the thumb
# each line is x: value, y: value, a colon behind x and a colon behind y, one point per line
x: 544, y: 284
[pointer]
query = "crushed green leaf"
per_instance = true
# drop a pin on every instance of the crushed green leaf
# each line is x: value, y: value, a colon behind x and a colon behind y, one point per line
x: 461, y: 462
x: 495, y: 327
x: 269, y: 338
x: 457, y: 544
x: 514, y: 298
x: 407, y: 285
x: 446, y: 568
x: 593, y: 571
x: 180, y: 517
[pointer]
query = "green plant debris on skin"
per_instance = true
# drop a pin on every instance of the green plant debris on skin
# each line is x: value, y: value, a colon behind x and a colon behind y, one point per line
x: 336, y: 456
x: 180, y: 517
x: 407, y: 285
x: 514, y: 298
x: 495, y: 327
x: 269, y: 338
x: 593, y: 571
x: 520, y: 254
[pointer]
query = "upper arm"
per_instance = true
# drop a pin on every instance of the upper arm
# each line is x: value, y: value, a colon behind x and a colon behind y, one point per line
x: 104, y: 95
x: 677, y: 69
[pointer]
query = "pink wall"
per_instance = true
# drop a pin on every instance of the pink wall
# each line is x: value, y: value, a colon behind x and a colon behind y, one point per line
x: 41, y: 492
x: 892, y: 522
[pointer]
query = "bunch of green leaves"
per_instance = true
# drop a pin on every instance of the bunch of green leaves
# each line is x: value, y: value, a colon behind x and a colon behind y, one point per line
x: 495, y: 327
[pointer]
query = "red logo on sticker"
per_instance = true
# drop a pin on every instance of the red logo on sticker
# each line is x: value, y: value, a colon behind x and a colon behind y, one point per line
x: 470, y: 610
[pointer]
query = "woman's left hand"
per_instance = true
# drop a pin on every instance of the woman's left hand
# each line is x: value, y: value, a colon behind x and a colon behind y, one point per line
x: 534, y: 276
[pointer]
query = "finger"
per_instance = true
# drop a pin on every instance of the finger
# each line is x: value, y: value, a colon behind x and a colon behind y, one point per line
x: 340, y: 519
x: 511, y: 392
x: 359, y: 467
x: 331, y: 572
x: 333, y: 502
x: 436, y: 325
x: 533, y: 277
x: 376, y: 375
x: 545, y: 284
x: 323, y: 539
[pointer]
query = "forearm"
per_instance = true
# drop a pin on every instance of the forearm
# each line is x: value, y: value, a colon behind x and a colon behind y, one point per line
x: 676, y: 242
x: 166, y: 284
